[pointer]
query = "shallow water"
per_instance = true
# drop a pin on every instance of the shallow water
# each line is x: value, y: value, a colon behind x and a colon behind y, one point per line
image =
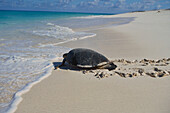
x: 29, y: 42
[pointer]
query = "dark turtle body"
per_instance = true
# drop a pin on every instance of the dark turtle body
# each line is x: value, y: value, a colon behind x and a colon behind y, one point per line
x: 87, y: 59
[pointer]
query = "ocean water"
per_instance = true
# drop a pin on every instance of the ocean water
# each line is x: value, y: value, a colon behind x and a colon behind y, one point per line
x: 30, y: 40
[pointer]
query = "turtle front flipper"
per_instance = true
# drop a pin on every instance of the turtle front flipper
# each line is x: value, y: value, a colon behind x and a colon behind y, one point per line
x: 56, y: 67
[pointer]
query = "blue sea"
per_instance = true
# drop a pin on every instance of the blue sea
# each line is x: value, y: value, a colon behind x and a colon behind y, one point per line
x: 30, y: 40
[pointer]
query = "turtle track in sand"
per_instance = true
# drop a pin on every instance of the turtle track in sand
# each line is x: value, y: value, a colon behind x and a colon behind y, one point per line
x: 128, y: 69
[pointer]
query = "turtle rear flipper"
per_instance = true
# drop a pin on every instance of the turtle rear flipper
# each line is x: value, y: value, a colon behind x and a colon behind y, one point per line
x: 110, y: 66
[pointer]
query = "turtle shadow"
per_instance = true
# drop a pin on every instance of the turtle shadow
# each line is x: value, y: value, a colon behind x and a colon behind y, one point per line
x: 65, y: 67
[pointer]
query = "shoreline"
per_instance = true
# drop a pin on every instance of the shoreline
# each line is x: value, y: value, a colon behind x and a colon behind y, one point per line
x: 104, y: 50
x: 17, y: 99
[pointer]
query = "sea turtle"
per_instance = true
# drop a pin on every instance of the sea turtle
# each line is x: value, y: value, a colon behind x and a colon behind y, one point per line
x: 87, y: 59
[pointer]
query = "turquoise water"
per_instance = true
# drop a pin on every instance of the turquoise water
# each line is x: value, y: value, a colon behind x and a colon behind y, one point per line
x: 29, y: 41
x: 24, y: 17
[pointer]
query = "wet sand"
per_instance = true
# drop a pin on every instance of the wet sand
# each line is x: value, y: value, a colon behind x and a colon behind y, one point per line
x: 138, y: 47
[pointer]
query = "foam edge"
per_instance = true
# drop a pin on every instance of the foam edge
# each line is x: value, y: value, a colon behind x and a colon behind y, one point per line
x: 18, y: 96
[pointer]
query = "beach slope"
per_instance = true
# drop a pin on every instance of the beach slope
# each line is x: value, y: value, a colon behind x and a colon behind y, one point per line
x: 69, y: 91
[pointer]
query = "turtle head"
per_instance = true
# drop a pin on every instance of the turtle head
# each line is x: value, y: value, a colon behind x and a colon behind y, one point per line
x: 111, y: 66
x: 65, y: 55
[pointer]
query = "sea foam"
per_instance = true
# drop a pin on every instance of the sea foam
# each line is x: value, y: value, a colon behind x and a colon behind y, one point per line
x: 25, y: 63
x: 59, y: 32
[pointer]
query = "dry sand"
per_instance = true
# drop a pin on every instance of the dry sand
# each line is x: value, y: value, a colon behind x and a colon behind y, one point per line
x: 68, y: 91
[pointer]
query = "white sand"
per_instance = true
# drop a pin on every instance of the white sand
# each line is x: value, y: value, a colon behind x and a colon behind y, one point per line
x: 68, y: 91
x: 150, y: 31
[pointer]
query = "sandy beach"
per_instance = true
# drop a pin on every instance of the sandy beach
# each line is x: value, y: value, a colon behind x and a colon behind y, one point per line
x: 69, y: 91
